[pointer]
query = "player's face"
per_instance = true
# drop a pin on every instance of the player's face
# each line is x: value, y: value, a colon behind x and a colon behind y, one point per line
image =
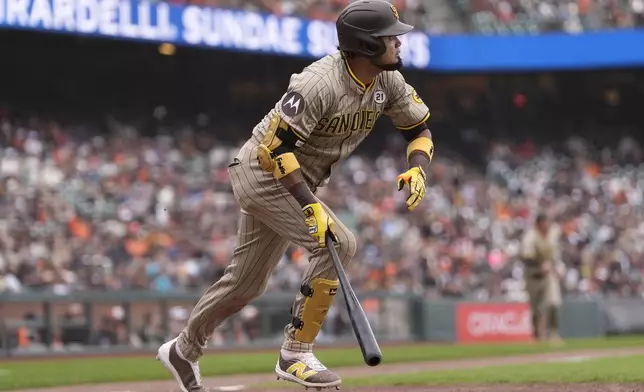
x: 390, y: 60
x: 543, y: 226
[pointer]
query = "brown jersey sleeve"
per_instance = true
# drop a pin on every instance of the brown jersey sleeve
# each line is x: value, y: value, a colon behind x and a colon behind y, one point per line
x: 405, y: 108
x: 305, y: 102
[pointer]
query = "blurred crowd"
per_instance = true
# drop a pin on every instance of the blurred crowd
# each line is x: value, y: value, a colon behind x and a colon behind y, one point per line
x: 533, y: 16
x: 487, y: 16
x: 410, y: 10
x: 119, y: 211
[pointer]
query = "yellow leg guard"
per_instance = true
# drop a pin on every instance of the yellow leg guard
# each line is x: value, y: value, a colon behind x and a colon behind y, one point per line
x: 319, y: 296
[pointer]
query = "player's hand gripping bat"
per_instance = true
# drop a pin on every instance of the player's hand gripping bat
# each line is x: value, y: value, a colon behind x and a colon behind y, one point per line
x: 367, y: 341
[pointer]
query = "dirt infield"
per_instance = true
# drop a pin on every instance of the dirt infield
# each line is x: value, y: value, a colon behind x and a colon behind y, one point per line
x: 249, y: 383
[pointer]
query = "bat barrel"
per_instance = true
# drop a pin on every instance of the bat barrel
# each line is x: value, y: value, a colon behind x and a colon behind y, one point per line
x: 366, y: 339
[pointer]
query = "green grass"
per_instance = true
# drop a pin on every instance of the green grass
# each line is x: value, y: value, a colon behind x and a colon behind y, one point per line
x: 16, y: 375
x: 627, y: 369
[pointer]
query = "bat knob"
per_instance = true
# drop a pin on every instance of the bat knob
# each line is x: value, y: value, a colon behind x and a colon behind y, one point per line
x: 374, y: 360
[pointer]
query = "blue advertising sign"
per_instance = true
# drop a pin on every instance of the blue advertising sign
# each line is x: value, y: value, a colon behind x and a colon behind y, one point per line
x: 264, y: 33
x: 188, y: 25
x: 550, y: 51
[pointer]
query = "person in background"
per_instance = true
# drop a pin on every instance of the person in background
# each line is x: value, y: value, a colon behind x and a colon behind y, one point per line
x: 541, y: 273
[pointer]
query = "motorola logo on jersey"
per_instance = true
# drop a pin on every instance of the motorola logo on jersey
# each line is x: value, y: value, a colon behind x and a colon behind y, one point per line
x: 293, y: 104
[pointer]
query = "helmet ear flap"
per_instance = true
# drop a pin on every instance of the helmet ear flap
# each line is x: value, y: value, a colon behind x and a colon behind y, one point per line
x: 370, y: 46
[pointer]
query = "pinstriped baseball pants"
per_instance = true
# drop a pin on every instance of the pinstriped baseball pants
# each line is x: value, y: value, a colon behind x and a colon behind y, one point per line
x: 270, y: 219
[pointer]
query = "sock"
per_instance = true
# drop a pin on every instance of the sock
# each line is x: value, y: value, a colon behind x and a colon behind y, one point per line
x: 554, y: 320
x: 535, y: 326
x: 286, y: 354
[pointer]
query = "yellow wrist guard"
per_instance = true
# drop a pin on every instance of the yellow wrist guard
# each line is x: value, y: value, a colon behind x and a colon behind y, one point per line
x: 421, y: 144
x: 281, y: 166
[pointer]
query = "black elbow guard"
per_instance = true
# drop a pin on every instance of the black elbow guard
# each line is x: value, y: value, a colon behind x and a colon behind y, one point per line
x: 413, y: 133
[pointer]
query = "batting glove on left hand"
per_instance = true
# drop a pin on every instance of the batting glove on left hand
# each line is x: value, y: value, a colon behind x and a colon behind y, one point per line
x: 415, y: 178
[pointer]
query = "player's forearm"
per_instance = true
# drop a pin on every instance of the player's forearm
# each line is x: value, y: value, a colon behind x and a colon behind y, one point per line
x: 421, y: 157
x: 294, y: 183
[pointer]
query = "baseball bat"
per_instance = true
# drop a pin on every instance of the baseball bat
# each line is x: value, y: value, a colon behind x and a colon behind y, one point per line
x: 366, y: 339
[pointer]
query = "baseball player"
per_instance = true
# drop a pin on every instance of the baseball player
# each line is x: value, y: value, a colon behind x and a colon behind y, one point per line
x: 542, y: 271
x: 327, y: 111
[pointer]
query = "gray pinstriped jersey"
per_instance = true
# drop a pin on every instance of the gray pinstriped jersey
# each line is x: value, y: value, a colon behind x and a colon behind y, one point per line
x: 333, y: 112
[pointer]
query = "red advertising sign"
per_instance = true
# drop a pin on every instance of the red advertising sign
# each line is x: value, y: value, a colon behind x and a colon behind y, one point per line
x: 493, y: 322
